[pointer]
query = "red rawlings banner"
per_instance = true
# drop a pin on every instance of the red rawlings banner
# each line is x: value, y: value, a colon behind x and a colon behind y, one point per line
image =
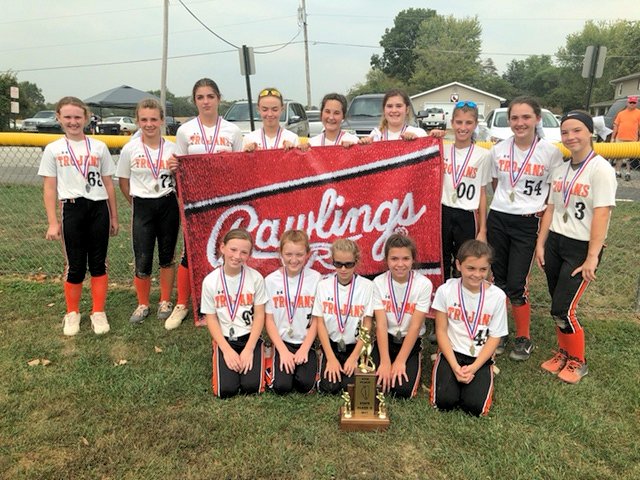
x: 364, y: 193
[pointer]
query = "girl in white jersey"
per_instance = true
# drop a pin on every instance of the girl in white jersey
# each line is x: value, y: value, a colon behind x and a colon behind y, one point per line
x: 467, y: 171
x: 207, y: 133
x: 401, y: 300
x: 343, y: 304
x: 572, y: 235
x: 332, y: 112
x: 233, y: 300
x: 271, y: 135
x: 471, y: 318
x: 521, y: 167
x: 77, y: 170
x: 396, y: 108
x: 148, y: 185
x: 291, y: 290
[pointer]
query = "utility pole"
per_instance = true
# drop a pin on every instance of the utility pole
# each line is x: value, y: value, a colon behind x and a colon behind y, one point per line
x: 302, y: 18
x: 165, y: 52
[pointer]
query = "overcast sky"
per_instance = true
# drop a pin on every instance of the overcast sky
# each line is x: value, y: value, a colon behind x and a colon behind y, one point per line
x: 83, y: 47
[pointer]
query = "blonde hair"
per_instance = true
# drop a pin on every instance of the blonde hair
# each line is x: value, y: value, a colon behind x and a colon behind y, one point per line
x: 238, y: 234
x: 150, y: 103
x: 295, y: 236
x: 346, y: 245
x: 76, y: 102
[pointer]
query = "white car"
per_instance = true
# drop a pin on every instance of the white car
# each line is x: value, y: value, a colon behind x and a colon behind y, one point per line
x: 125, y: 125
x: 498, y: 126
x: 31, y: 124
x: 315, y: 125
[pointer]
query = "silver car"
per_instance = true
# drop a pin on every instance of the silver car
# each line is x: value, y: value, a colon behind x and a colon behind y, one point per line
x: 31, y: 124
x: 293, y: 117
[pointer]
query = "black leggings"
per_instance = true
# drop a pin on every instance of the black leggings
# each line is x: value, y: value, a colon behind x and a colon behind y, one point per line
x: 458, y: 226
x: 304, y: 376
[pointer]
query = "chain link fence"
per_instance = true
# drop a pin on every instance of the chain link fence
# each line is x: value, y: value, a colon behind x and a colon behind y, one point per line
x: 25, y: 252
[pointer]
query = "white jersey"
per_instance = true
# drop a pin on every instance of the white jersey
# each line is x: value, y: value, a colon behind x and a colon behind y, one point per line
x: 476, y: 174
x: 57, y: 161
x: 215, y: 301
x: 189, y: 139
x: 361, y: 306
x: 321, y: 141
x: 146, y: 180
x: 529, y: 194
x: 493, y: 317
x: 377, y: 135
x: 595, y: 187
x: 419, y: 298
x: 271, y: 142
x: 292, y: 330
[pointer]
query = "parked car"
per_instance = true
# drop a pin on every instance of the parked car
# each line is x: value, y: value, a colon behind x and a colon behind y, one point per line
x: 498, y: 126
x: 315, y: 124
x: 293, y: 117
x: 172, y: 125
x: 31, y: 124
x: 432, y: 118
x: 365, y: 113
x: 618, y: 105
x: 53, y: 126
x: 116, y: 126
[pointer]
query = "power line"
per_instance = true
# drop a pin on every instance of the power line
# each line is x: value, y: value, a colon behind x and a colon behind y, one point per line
x: 284, y: 45
x: 205, y: 26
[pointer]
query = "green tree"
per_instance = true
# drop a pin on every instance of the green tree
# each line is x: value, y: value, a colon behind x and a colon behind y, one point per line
x: 180, y: 106
x: 7, y: 80
x: 399, y: 57
x: 31, y: 99
x: 376, y: 82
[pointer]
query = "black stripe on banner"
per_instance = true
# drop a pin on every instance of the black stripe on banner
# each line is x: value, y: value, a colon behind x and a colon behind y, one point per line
x: 188, y: 210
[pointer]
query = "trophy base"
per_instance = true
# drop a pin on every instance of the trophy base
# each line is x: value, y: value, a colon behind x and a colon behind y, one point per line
x: 362, y: 424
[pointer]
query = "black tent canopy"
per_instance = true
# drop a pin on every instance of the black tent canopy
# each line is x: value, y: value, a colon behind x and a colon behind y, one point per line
x: 120, y: 97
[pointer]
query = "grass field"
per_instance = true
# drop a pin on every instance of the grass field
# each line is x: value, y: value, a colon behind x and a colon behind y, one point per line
x: 90, y: 415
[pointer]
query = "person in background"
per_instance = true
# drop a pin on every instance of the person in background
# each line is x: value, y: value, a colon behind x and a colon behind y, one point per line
x: 626, y: 128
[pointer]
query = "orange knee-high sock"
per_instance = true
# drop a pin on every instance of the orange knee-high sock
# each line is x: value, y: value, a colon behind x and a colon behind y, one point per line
x: 184, y: 286
x: 72, y: 294
x: 143, y: 287
x: 575, y: 344
x: 99, y: 292
x: 166, y: 283
x: 522, y: 319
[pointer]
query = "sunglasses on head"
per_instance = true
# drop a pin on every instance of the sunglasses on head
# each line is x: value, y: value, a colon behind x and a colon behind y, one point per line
x: 340, y: 265
x: 632, y: 102
x: 466, y: 103
x: 269, y: 92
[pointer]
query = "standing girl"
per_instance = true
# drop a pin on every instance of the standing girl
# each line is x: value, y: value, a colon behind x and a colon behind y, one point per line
x: 396, y: 109
x: 233, y: 299
x: 271, y: 135
x: 343, y: 304
x: 467, y: 170
x: 78, y: 171
x: 149, y: 187
x: 291, y: 291
x: 332, y: 112
x: 572, y: 235
x: 207, y: 133
x: 401, y: 300
x: 521, y: 168
x: 471, y: 318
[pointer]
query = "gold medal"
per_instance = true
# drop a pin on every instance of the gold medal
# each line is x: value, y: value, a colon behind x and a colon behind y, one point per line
x: 454, y: 197
x: 512, y: 196
x: 290, y: 332
x: 157, y: 188
x: 472, y: 350
x: 565, y: 217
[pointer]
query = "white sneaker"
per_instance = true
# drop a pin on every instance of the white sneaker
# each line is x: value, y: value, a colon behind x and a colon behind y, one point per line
x: 71, y: 324
x: 164, y: 310
x: 177, y: 316
x: 99, y: 323
x: 139, y: 314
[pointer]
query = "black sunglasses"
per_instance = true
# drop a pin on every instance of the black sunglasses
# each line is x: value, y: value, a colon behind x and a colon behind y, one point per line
x: 340, y: 265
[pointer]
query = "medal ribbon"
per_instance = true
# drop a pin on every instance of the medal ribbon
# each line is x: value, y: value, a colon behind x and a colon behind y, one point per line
x: 84, y: 169
x: 231, y: 308
x: 457, y: 177
x: 337, y: 142
x: 155, y: 169
x: 265, y: 145
x: 566, y: 191
x: 472, y: 327
x: 341, y: 322
x: 512, y: 162
x: 394, y: 302
x: 209, y: 147
x: 386, y: 132
x: 291, y: 310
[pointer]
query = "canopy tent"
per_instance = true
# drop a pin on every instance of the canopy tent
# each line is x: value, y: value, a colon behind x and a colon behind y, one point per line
x: 120, y: 97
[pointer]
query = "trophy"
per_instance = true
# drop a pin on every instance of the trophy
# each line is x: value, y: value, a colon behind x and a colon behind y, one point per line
x: 364, y: 407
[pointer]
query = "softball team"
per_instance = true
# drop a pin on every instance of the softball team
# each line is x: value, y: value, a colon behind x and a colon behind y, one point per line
x: 149, y: 187
x: 271, y: 135
x: 332, y: 111
x: 401, y: 300
x: 571, y: 241
x: 396, y: 110
x: 207, y: 133
x: 77, y: 172
x: 521, y: 168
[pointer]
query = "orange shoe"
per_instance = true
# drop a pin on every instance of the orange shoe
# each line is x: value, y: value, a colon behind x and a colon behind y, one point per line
x: 573, y: 371
x: 555, y: 364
